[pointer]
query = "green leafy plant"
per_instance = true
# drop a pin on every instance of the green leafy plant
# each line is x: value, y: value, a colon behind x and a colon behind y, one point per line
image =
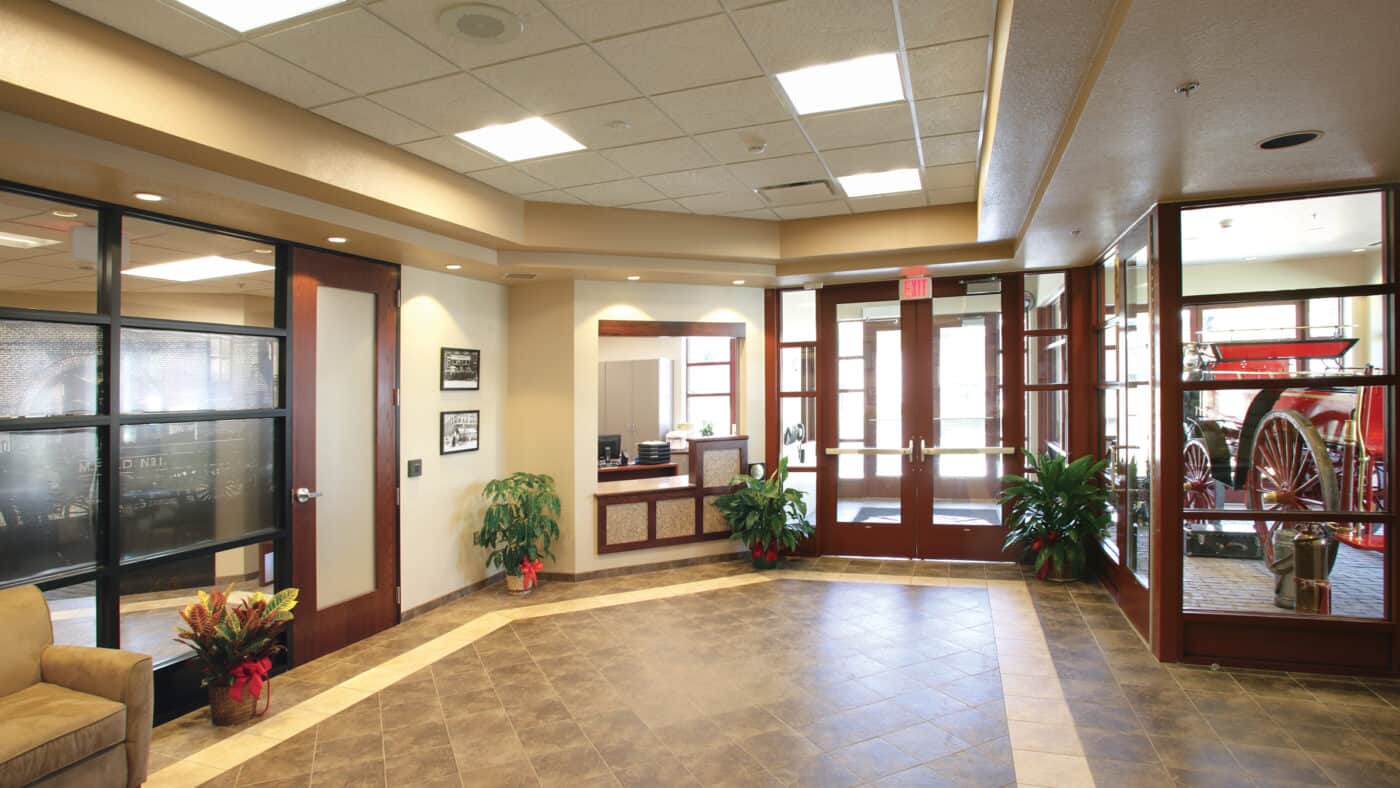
x: 766, y: 515
x: 231, y: 640
x: 1057, y: 510
x: 522, y: 521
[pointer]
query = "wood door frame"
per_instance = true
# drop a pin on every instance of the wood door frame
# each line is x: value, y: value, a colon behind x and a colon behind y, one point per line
x: 316, y: 630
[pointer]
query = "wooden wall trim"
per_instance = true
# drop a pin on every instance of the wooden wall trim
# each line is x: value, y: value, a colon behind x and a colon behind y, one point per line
x: 669, y: 328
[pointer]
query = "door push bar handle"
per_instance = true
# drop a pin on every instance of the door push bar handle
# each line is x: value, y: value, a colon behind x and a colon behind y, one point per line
x: 302, y: 495
x: 871, y: 450
x: 940, y: 450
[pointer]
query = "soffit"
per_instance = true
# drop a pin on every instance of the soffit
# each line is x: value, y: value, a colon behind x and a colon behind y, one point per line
x: 678, y: 90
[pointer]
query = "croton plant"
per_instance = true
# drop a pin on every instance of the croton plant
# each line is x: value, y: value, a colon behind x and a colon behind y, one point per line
x: 234, y: 639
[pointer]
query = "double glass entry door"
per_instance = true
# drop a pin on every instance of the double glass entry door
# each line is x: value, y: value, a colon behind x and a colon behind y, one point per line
x: 914, y: 441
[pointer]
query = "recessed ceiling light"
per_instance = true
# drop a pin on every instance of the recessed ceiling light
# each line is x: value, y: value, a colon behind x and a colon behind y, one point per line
x: 454, y: 267
x: 242, y: 15
x: 1289, y: 140
x: 890, y: 182
x: 148, y: 196
x: 196, y: 269
x: 1359, y: 250
x: 337, y: 239
x: 17, y: 241
x: 633, y: 278
x: 738, y: 281
x: 524, y: 139
x: 66, y: 214
x: 1250, y: 259
x: 262, y: 250
x: 858, y: 82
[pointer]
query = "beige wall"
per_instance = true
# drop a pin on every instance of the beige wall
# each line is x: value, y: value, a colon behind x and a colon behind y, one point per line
x: 443, y: 507
x: 596, y: 301
x: 540, y: 413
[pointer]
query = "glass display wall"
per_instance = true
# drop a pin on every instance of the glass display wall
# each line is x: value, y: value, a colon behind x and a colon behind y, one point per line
x: 142, y: 416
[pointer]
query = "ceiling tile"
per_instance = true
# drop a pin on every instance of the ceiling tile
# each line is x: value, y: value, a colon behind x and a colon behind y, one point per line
x: 828, y: 208
x: 670, y: 206
x: 452, y: 104
x: 888, y: 202
x: 357, y: 50
x: 798, y: 33
x: 728, y: 202
x: 765, y: 214
x: 366, y: 116
x: 165, y: 26
x: 939, y: 21
x: 771, y: 172
x: 594, y: 19
x: 872, y: 158
x: 950, y: 175
x: 556, y: 81
x: 543, y: 31
x: 947, y: 69
x: 452, y: 154
x: 747, y: 102
x: 692, y: 182
x: 650, y: 158
x: 950, y: 114
x: 642, y: 120
x: 271, y: 74
x: 780, y: 139
x: 950, y: 196
x: 950, y: 149
x: 680, y: 56
x: 555, y: 195
x: 573, y: 169
x: 509, y: 179
x: 616, y: 193
x: 865, y: 126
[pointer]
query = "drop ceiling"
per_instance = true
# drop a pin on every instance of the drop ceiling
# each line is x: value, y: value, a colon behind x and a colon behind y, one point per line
x: 676, y: 100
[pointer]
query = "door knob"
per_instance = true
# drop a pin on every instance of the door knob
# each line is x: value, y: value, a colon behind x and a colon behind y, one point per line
x: 302, y: 495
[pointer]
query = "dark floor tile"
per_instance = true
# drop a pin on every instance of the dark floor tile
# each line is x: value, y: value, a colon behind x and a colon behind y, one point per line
x: 369, y: 774
x: 1116, y: 746
x: 1195, y: 752
x: 1278, y: 765
x: 1128, y: 774
x: 569, y: 767
x: 409, y: 768
x: 516, y: 774
x: 925, y: 742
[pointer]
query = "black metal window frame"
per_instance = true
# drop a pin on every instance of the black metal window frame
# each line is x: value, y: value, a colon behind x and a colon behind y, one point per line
x: 108, y: 569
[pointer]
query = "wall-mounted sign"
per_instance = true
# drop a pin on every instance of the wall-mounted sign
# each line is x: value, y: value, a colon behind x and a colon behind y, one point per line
x: 915, y: 288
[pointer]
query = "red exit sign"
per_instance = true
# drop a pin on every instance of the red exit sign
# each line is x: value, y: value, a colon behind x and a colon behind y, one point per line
x: 915, y: 287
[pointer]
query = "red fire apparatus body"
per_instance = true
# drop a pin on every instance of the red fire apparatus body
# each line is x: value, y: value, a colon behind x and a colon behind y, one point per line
x: 1304, y: 448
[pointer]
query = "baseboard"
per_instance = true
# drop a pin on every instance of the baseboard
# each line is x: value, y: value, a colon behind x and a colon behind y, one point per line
x: 453, y: 596
x: 574, y: 577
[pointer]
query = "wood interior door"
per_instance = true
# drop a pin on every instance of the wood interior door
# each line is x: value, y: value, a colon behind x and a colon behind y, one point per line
x: 345, y: 559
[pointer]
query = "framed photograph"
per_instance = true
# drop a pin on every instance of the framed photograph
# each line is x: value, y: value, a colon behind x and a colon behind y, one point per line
x: 461, y: 369
x: 460, y: 431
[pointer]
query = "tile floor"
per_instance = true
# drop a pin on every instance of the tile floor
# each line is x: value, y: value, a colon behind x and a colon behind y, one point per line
x: 832, y: 672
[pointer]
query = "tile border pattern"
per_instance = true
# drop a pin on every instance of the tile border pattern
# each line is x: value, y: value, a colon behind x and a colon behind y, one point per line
x: 1030, y: 690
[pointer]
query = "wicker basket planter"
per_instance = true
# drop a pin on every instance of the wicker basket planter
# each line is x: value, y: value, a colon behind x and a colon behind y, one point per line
x: 224, y: 710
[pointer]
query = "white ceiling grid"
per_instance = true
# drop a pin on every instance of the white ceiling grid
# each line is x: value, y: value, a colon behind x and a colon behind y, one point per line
x: 676, y: 100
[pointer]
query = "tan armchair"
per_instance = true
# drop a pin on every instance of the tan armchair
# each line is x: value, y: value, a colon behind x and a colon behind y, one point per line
x: 69, y: 715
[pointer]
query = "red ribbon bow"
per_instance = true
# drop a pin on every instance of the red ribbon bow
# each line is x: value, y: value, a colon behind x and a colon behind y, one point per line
x: 529, y: 572
x: 252, y: 672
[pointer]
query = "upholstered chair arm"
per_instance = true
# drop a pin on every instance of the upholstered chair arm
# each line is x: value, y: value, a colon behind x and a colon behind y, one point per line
x: 121, y: 676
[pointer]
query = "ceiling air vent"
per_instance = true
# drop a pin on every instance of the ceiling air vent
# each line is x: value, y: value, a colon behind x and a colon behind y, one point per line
x: 521, y: 275
x: 797, y: 192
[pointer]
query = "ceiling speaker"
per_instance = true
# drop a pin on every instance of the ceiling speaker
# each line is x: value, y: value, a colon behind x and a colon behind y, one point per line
x: 481, y: 23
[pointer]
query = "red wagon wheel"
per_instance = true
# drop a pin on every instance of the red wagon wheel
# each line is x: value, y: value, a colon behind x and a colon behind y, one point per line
x: 1198, y: 489
x: 1291, y: 472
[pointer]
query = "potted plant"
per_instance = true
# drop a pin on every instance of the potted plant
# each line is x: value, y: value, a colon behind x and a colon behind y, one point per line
x: 520, y: 525
x: 1057, y: 510
x: 234, y: 643
x: 766, y: 515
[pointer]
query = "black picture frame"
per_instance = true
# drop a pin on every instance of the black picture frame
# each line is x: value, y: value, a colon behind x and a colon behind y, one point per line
x: 459, y: 431
x: 460, y: 369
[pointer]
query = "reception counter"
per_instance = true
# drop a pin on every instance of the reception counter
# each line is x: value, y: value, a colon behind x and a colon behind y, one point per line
x: 639, y: 513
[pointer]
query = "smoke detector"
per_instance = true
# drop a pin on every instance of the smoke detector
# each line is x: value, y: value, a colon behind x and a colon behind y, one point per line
x: 481, y: 23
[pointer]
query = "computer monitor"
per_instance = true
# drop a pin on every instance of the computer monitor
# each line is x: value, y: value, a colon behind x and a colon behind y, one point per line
x: 609, y: 448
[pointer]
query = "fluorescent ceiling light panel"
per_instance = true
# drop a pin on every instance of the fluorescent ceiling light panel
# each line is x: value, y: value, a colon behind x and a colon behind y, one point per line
x: 245, y: 15
x: 197, y: 269
x: 17, y: 241
x: 868, y: 184
x: 524, y: 139
x: 858, y: 82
